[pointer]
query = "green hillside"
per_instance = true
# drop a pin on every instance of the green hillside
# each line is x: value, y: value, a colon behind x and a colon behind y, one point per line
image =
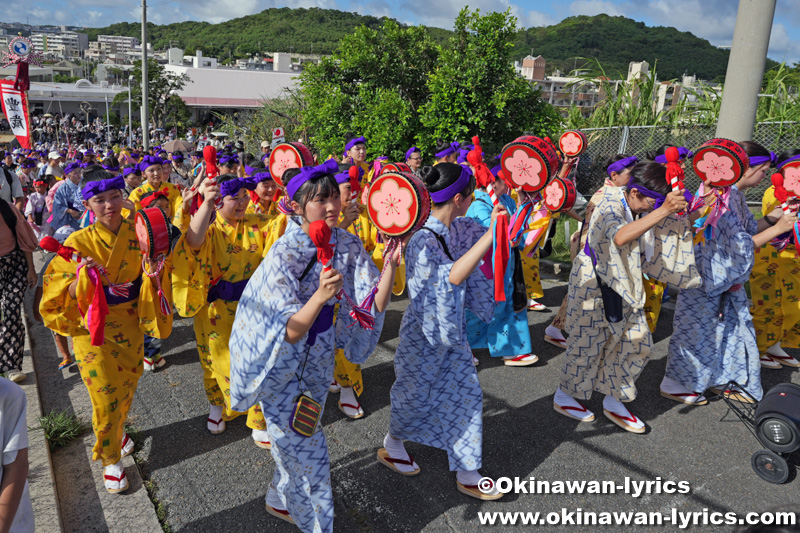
x: 273, y: 30
x: 614, y: 41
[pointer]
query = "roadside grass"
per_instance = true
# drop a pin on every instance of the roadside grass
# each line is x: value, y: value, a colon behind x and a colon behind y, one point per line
x: 62, y: 427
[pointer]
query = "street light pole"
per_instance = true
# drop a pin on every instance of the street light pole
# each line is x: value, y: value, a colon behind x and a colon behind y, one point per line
x: 108, y: 123
x: 145, y: 110
x: 130, y: 117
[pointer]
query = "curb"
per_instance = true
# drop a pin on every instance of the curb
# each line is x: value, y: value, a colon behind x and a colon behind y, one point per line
x: 41, y: 479
x: 556, y: 268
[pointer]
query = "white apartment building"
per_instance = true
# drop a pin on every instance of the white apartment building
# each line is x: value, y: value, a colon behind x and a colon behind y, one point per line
x: 122, y: 43
x: 64, y: 40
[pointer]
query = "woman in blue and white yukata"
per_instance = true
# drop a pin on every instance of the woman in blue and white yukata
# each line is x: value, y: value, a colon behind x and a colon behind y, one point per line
x: 436, y: 398
x: 713, y: 339
x: 283, y: 340
x: 507, y: 335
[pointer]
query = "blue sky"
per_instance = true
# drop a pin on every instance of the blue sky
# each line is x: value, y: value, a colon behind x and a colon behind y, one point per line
x: 711, y: 19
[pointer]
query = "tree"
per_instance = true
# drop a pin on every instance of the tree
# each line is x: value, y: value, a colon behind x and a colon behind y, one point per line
x: 162, y: 86
x: 475, y: 91
x: 374, y: 85
x: 398, y: 88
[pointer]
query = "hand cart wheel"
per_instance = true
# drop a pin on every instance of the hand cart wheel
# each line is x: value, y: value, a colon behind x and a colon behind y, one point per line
x: 770, y: 466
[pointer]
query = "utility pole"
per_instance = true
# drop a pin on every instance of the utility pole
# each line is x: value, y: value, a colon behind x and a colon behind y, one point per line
x: 130, y: 116
x: 737, y: 115
x: 145, y: 110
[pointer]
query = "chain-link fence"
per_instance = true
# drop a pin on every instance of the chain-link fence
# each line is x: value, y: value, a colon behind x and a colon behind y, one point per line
x: 604, y: 143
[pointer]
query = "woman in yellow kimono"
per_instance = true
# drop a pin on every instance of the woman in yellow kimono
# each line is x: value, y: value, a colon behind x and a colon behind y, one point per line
x: 108, y: 347
x: 151, y: 169
x: 212, y: 264
x: 775, y: 305
x: 261, y: 198
x: 347, y: 377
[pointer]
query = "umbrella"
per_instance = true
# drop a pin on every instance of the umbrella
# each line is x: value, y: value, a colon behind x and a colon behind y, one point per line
x: 47, y: 115
x: 178, y: 145
x: 219, y: 134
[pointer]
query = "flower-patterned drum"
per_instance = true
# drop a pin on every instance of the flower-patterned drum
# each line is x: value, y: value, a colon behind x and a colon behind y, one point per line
x: 286, y: 156
x: 573, y: 143
x: 396, y: 167
x: 153, y: 231
x: 398, y: 203
x: 529, y: 162
x: 788, y: 178
x: 559, y: 195
x: 720, y: 162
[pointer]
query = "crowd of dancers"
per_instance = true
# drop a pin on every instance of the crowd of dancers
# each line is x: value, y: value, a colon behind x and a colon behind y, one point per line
x: 274, y: 339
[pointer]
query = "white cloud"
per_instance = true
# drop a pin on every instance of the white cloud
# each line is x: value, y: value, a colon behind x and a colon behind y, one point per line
x: 782, y: 47
x: 713, y: 20
x: 596, y: 7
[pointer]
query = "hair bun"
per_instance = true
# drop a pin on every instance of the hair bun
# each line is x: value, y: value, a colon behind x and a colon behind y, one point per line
x: 429, y: 175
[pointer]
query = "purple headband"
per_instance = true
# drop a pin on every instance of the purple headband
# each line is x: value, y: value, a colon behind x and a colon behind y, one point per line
x: 28, y: 163
x: 128, y: 170
x: 451, y: 190
x: 70, y: 167
x: 150, y: 161
x: 233, y: 186
x: 452, y: 147
x: 353, y: 142
x: 622, y: 164
x: 496, y: 171
x: 263, y: 157
x: 684, y: 153
x: 783, y: 163
x: 644, y: 191
x: 229, y: 159
x: 96, y: 187
x: 111, y: 168
x: 344, y: 177
x: 307, y: 173
x: 462, y: 155
x: 257, y: 175
x: 756, y: 160
x: 411, y: 151
x: 176, y: 157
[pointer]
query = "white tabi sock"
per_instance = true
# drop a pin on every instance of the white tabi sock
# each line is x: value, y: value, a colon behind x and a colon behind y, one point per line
x: 562, y: 399
x: 615, y: 406
x: 468, y: 477
x: 348, y: 396
x: 776, y: 349
x: 397, y: 450
x: 554, y: 332
x: 273, y: 500
x: 260, y: 435
x: 670, y: 386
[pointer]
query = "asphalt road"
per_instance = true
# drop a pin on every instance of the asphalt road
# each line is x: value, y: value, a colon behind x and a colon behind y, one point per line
x: 210, y: 483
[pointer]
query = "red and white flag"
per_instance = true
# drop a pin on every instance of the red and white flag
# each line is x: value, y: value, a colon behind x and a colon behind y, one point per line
x: 15, y: 108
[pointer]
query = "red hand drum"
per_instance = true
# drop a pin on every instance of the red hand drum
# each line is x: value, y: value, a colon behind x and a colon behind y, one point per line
x: 573, y: 143
x: 528, y: 162
x: 396, y: 167
x: 286, y: 156
x: 398, y: 203
x: 559, y: 195
x: 153, y: 231
x: 720, y: 162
